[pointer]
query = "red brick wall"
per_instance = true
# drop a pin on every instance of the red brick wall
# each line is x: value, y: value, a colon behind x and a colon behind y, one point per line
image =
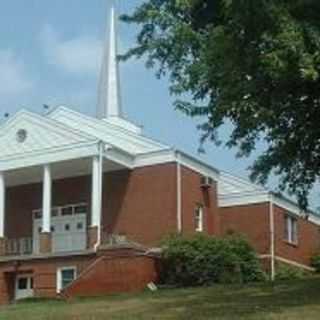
x: 122, y: 274
x: 140, y: 203
x: 308, y: 239
x: 44, y: 273
x: 252, y: 221
x: 21, y: 200
x: 192, y: 196
x: 118, y: 270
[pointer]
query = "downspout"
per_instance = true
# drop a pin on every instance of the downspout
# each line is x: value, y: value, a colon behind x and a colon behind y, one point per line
x: 272, y: 237
x: 101, y: 149
x: 179, y: 194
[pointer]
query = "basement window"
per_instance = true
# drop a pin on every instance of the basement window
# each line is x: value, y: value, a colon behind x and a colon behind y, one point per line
x: 291, y: 229
x: 65, y: 276
x: 198, y: 217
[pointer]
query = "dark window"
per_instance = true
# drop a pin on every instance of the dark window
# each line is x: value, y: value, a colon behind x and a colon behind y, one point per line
x: 66, y: 211
x: 38, y: 215
x: 67, y: 227
x: 67, y: 276
x: 23, y: 283
x: 79, y: 225
x: 54, y: 212
x: 81, y: 209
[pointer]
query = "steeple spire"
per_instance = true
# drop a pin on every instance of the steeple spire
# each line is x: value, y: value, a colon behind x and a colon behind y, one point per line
x: 109, y: 99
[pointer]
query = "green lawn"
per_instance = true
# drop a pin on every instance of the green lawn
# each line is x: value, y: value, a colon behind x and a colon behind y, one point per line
x: 295, y: 301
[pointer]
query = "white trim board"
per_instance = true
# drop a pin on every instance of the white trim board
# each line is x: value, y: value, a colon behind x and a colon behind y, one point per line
x: 50, y: 156
x: 175, y: 156
x: 244, y: 199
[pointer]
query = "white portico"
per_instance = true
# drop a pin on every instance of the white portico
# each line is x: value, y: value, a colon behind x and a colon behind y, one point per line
x: 36, y: 149
x: 64, y: 143
x: 42, y: 149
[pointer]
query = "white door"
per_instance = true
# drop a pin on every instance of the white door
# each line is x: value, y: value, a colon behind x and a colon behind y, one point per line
x: 69, y: 233
x: 24, y: 287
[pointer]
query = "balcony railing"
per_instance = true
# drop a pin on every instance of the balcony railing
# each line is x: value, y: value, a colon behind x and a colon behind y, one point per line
x: 18, y: 247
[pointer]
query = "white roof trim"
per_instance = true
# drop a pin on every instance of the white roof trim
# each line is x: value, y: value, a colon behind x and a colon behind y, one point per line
x: 241, y: 199
x: 172, y: 155
x: 70, y: 152
x: 244, y: 199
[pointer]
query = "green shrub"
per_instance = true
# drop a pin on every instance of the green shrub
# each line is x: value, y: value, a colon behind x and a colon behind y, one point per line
x: 315, y: 262
x: 203, y: 260
x: 287, y: 272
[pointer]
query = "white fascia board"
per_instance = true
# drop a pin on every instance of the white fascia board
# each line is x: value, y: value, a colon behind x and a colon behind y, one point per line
x: 171, y: 155
x: 198, y: 165
x: 154, y: 158
x: 241, y: 199
x: 119, y: 156
x: 50, y: 156
x: 292, y: 207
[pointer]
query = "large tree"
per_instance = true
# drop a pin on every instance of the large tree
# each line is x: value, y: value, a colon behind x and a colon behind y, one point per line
x: 254, y: 63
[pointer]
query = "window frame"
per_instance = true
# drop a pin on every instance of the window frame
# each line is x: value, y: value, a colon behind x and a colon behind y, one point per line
x: 59, y: 276
x: 291, y: 229
x: 199, y: 218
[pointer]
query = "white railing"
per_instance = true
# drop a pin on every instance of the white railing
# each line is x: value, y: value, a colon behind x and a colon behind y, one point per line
x: 18, y: 247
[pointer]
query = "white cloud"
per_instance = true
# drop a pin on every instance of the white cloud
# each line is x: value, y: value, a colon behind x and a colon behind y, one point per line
x: 13, y: 75
x: 77, y: 55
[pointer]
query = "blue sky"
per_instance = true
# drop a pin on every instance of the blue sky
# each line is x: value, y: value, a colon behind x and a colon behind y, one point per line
x: 50, y: 53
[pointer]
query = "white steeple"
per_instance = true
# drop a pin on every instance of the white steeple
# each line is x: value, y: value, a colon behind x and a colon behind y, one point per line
x: 109, y: 98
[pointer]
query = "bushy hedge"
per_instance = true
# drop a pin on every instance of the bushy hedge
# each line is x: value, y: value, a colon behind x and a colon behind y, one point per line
x: 287, y: 273
x: 203, y: 260
x: 315, y: 262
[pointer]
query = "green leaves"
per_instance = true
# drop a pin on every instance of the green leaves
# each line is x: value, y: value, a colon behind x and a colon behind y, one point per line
x: 203, y: 260
x: 253, y: 63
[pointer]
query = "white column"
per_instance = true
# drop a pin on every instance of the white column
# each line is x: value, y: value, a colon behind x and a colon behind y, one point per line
x: 95, y: 192
x: 2, y: 203
x: 46, y: 199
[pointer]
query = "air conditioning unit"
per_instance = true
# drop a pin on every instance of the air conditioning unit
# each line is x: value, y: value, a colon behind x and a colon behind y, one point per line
x: 206, y: 182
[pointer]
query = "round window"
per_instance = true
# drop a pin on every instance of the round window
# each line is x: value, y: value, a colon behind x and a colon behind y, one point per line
x: 21, y: 135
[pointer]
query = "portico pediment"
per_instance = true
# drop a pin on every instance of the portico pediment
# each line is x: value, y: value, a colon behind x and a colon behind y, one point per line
x: 29, y: 139
x: 29, y: 133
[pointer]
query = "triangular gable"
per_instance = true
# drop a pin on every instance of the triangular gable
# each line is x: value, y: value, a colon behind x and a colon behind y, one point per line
x: 27, y: 132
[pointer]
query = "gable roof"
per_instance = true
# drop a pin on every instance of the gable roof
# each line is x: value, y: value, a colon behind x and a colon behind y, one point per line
x: 43, y: 140
x: 41, y: 133
x: 117, y: 136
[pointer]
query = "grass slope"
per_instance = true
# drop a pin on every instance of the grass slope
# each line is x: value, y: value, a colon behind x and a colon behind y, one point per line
x: 294, y: 300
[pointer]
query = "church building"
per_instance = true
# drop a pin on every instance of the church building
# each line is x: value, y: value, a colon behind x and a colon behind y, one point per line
x: 86, y: 201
